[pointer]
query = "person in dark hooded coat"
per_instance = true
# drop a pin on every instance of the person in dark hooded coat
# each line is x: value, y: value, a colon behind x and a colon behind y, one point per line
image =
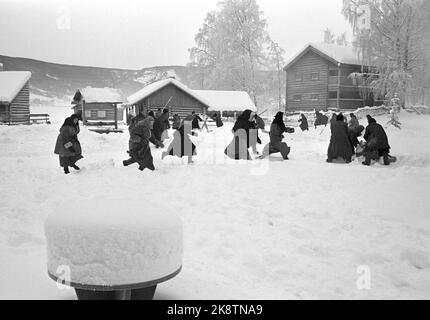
x: 238, y: 147
x: 276, y: 136
x: 176, y: 121
x: 195, y: 121
x: 182, y: 144
x: 333, y: 120
x: 68, y: 146
x: 139, y: 149
x: 303, y: 123
x: 160, y: 125
x: 340, y: 146
x: 376, y: 142
x: 321, y: 120
x: 217, y: 118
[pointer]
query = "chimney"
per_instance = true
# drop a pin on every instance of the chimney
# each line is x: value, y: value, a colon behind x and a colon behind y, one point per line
x: 1, y: 67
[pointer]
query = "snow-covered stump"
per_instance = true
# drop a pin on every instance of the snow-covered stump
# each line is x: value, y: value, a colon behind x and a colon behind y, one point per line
x: 114, y: 249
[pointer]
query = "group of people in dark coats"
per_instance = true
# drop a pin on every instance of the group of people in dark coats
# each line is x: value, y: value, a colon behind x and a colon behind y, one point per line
x: 344, y: 140
x: 245, y: 136
x: 144, y: 129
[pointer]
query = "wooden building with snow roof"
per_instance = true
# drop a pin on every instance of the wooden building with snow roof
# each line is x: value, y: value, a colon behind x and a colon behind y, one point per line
x: 15, y: 97
x: 99, y: 106
x: 318, y: 78
x: 182, y: 100
x: 169, y: 93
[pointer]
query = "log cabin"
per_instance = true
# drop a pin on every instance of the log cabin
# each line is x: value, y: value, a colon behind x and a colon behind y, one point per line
x: 99, y: 106
x: 15, y: 97
x: 318, y: 78
x: 169, y: 93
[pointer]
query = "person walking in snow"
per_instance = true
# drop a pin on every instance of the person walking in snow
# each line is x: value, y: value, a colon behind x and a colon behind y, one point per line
x: 376, y: 143
x: 340, y: 146
x: 165, y: 124
x: 320, y: 119
x: 68, y: 146
x: 217, y: 119
x: 160, y: 126
x: 333, y: 120
x: 303, y: 123
x: 176, y: 121
x: 238, y: 147
x: 354, y: 131
x: 139, y: 149
x: 182, y: 144
x: 276, y: 136
x: 195, y: 121
x: 353, y: 122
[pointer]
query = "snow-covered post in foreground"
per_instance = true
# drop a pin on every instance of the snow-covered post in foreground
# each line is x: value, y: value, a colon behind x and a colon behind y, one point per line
x: 114, y: 249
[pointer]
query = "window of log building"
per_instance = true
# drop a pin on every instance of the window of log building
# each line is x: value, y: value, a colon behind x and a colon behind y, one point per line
x: 101, y: 114
x: 315, y: 96
x: 315, y: 76
x: 297, y: 97
x: 299, y: 76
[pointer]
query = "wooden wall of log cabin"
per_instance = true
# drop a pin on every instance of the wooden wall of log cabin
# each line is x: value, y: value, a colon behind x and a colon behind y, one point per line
x: 347, y: 69
x: 20, y: 106
x: 308, y: 87
x: 92, y: 112
x: 181, y: 102
x: 4, y: 113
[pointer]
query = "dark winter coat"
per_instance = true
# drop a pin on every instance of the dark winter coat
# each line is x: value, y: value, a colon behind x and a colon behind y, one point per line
x: 139, y: 149
x: 340, y: 145
x: 276, y: 144
x: 321, y: 120
x: 195, y: 122
x: 332, y: 121
x: 259, y: 122
x: 304, y: 123
x: 176, y: 122
x: 376, y: 138
x: 182, y: 144
x: 160, y: 125
x: 238, y: 147
x: 353, y: 123
x: 354, y: 133
x: 218, y: 120
x: 164, y: 119
x: 67, y: 145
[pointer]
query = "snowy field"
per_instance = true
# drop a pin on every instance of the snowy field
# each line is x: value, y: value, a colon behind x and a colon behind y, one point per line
x: 253, y: 230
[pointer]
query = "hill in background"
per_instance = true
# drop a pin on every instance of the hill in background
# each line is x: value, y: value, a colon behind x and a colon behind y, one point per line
x: 55, y: 84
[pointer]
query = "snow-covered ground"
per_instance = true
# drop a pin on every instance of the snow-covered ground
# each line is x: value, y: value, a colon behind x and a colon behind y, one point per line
x: 299, y: 229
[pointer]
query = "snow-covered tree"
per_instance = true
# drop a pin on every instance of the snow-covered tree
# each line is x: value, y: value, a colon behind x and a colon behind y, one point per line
x: 232, y: 47
x: 388, y: 36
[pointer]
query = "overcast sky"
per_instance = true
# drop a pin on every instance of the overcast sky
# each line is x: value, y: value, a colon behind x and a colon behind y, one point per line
x: 133, y: 34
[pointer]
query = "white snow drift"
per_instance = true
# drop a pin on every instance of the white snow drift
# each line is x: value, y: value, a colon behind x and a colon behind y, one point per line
x: 298, y: 229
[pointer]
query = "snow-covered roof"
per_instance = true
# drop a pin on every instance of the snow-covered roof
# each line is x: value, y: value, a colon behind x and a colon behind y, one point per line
x: 11, y: 83
x: 106, y: 94
x: 333, y: 52
x: 227, y: 100
x: 155, y: 86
